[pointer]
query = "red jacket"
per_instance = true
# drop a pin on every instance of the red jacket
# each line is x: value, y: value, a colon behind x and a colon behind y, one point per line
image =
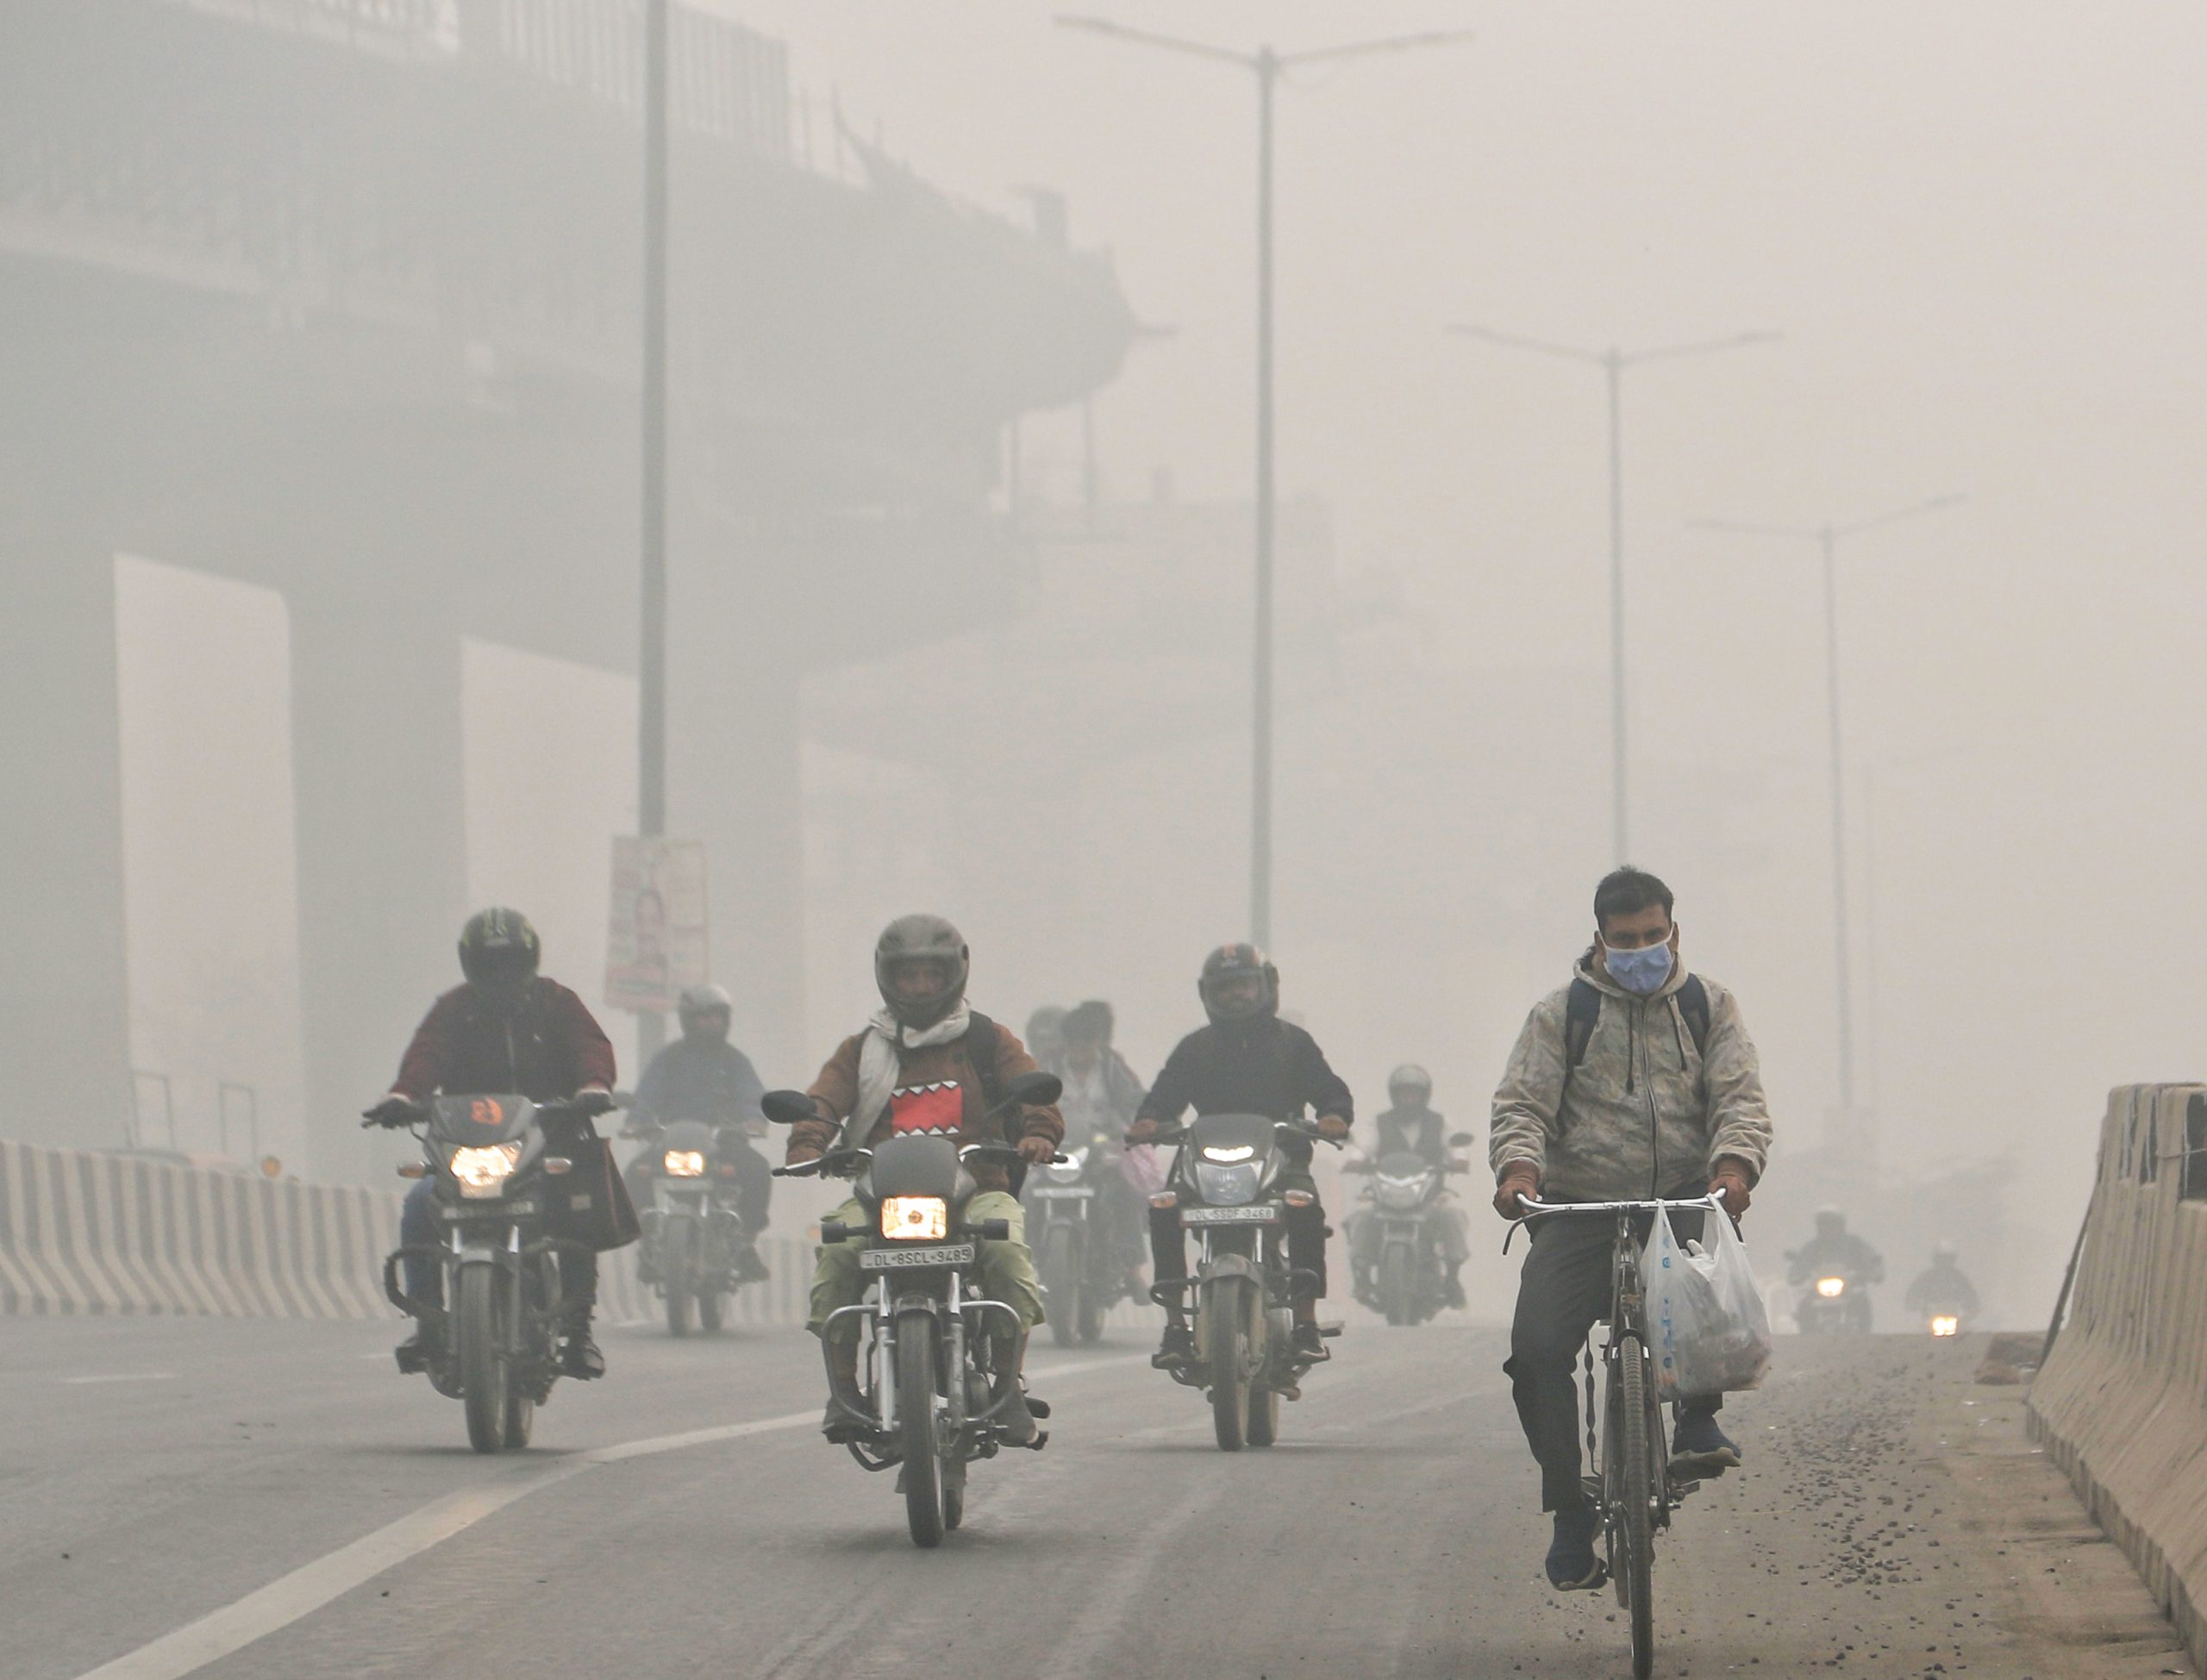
x: 547, y: 1051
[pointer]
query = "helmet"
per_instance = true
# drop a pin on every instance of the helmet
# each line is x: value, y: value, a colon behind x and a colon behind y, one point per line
x: 1830, y: 1222
x: 1089, y: 1023
x: 1409, y: 1077
x: 1944, y: 1254
x: 917, y: 939
x: 1230, y: 962
x: 698, y: 1004
x: 1044, y: 1033
x: 498, y: 946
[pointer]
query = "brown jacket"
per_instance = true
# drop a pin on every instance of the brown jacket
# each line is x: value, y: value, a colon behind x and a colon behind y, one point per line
x: 837, y: 1089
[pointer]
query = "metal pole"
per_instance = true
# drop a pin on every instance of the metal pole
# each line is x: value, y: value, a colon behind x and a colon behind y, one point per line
x: 1613, y: 365
x: 651, y: 662
x: 1260, y: 847
x: 1829, y: 540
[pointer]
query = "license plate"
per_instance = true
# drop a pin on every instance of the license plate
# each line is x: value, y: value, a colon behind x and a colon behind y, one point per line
x: 937, y: 1254
x: 486, y: 1210
x: 1263, y: 1214
x: 1061, y: 1192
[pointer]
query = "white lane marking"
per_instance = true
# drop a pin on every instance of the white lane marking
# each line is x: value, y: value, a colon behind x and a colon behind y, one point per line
x: 124, y: 1377
x: 306, y: 1589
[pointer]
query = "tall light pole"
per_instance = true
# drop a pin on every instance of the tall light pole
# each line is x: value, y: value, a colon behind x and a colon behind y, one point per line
x: 1826, y: 537
x: 1613, y: 362
x: 651, y: 652
x: 1267, y: 65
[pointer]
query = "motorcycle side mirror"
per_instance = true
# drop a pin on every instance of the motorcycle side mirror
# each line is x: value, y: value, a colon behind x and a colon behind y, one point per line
x: 787, y: 1108
x: 1460, y: 1140
x: 1033, y: 1090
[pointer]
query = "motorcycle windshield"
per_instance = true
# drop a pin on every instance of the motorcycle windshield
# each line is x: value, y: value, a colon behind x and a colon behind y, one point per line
x: 689, y: 1134
x: 1402, y: 1164
x: 481, y: 1120
x: 915, y: 1164
x: 1229, y: 1140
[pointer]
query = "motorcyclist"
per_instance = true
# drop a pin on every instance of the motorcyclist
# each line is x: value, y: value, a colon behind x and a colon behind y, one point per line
x: 1637, y: 1080
x: 1942, y: 1288
x: 927, y: 1062
x: 506, y: 1028
x: 1102, y: 1095
x: 701, y: 1076
x: 1246, y: 1061
x: 1045, y: 1035
x: 1836, y: 1250
x: 1409, y: 1126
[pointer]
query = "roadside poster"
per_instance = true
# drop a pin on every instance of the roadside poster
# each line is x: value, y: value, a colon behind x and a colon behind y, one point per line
x: 655, y: 944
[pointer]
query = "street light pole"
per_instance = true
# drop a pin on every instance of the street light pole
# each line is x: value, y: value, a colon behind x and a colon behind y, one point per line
x: 651, y: 657
x: 1267, y: 65
x: 1826, y: 537
x: 1613, y: 362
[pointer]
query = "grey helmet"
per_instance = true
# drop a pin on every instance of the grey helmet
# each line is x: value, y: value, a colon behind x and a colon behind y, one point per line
x: 1409, y: 1077
x: 1944, y: 1254
x: 918, y: 938
x: 698, y: 1002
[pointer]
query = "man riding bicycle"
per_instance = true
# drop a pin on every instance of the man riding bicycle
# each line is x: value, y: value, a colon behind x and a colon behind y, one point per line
x: 1636, y: 1080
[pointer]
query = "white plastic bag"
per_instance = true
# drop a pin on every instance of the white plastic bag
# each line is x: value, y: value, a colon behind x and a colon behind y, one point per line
x: 1706, y: 1318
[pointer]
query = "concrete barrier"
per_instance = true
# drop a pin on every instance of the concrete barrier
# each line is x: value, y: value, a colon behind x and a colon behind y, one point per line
x: 86, y: 1232
x: 2121, y: 1403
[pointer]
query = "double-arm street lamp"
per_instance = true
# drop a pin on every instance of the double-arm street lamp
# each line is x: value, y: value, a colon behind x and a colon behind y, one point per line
x: 1267, y: 65
x: 1613, y: 362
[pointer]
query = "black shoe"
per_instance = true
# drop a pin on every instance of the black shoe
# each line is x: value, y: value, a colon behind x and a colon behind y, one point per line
x: 1699, y: 1448
x: 1452, y: 1291
x: 1311, y: 1344
x: 580, y: 1358
x: 1572, y: 1564
x: 749, y: 1268
x: 418, y: 1352
x: 1177, y: 1349
x: 839, y: 1426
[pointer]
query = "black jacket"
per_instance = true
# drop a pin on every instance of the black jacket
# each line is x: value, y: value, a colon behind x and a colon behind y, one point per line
x: 713, y: 1082
x: 1264, y: 1066
x: 1415, y: 1131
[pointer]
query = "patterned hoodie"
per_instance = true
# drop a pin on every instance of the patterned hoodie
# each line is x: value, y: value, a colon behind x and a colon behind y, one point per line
x: 1645, y: 1114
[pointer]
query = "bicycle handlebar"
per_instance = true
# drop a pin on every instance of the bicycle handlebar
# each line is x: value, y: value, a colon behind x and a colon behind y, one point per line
x: 1533, y: 1205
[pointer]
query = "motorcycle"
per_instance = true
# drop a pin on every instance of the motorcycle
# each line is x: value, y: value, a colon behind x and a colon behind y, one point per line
x: 1224, y: 1182
x: 1067, y: 1228
x: 694, y: 1241
x: 1834, y: 1303
x: 500, y: 1316
x: 933, y: 1378
x: 1408, y: 1199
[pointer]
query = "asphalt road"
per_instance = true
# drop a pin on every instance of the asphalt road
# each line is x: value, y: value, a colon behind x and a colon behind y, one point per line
x: 267, y: 1501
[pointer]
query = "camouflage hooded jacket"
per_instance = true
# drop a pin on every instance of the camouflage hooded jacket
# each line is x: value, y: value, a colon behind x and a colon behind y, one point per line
x: 1645, y: 1114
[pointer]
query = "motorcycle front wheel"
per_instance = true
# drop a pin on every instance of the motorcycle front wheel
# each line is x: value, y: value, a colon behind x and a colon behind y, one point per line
x: 483, y: 1377
x: 1226, y: 1340
x: 712, y: 1311
x: 1395, y: 1287
x: 1061, y: 1290
x: 674, y: 1244
x: 921, y: 1471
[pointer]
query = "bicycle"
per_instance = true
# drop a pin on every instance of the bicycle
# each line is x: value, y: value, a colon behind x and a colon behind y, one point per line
x: 1635, y: 1491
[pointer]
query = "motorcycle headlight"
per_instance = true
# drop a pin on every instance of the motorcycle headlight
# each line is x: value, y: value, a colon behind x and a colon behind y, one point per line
x: 1946, y: 1324
x: 483, y: 1170
x: 1067, y: 1170
x: 685, y: 1163
x: 1831, y: 1288
x: 1226, y: 1186
x: 1238, y: 1152
x: 1399, y: 1193
x: 914, y: 1218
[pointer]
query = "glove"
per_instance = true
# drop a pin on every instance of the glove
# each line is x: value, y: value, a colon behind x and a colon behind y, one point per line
x: 593, y: 1100
x: 1036, y: 1150
x: 799, y: 1153
x: 1142, y: 1130
x: 1333, y: 1128
x: 396, y: 1110
x: 1518, y: 1178
x: 1730, y: 1178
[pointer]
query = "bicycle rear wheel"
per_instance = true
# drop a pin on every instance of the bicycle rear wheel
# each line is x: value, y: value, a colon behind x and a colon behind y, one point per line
x: 1632, y: 1498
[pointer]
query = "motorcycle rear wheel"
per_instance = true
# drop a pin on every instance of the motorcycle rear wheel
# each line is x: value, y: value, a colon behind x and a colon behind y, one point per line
x: 1263, y: 1415
x: 1226, y: 1336
x: 711, y: 1310
x: 674, y: 1267
x: 1062, y: 1302
x: 483, y: 1376
x: 921, y: 1471
x: 953, y: 1507
x: 1395, y: 1287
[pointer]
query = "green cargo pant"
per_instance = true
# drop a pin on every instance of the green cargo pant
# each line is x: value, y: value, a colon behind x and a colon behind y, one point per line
x: 1007, y: 1268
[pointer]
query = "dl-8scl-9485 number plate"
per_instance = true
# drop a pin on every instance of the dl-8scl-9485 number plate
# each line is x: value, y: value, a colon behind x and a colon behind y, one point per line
x: 1262, y: 1214
x: 937, y: 1254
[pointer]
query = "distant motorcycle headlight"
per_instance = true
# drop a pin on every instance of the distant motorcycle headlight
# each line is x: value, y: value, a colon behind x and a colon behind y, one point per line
x: 1226, y: 1186
x: 1946, y: 1324
x: 685, y: 1163
x: 1400, y: 1195
x: 1831, y: 1288
x: 914, y: 1218
x: 483, y: 1170
x: 1069, y: 1170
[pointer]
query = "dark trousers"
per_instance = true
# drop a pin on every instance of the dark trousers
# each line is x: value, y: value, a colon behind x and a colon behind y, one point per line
x: 1306, y: 1240
x: 1562, y: 1294
x: 754, y: 1180
x: 425, y: 1279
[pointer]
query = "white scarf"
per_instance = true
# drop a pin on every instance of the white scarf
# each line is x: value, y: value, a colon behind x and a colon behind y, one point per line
x: 881, y: 1060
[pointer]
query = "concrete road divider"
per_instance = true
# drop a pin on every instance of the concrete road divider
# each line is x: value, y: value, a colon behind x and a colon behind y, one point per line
x: 2121, y: 1403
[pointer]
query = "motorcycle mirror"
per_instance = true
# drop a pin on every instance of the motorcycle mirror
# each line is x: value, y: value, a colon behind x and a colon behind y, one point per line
x: 787, y: 1108
x: 1033, y: 1090
x: 1459, y: 1139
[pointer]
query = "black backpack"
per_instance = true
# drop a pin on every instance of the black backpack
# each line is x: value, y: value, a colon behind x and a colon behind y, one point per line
x: 1584, y: 1011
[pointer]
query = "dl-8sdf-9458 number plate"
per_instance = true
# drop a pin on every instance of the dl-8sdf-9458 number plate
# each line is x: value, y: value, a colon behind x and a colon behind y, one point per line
x: 937, y: 1254
x: 1262, y: 1214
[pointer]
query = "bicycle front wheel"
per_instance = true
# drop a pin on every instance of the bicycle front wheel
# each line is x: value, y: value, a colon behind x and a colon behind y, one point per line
x: 1632, y: 1497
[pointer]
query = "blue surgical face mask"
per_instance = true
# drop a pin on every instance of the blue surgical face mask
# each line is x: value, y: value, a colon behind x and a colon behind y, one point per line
x: 1642, y: 971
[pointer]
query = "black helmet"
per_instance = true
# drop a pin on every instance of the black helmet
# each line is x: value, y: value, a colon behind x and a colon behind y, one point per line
x: 499, y: 947
x: 1409, y: 1077
x: 918, y: 938
x: 1230, y: 962
x: 698, y: 1002
x: 1088, y: 1023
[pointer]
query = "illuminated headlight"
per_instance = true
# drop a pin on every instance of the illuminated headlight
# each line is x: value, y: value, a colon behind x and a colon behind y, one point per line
x: 1946, y: 1325
x: 1400, y: 1193
x: 484, y: 1170
x: 1065, y: 1171
x: 914, y: 1218
x: 1831, y: 1288
x: 1226, y: 1186
x: 1238, y: 1152
x: 685, y: 1163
